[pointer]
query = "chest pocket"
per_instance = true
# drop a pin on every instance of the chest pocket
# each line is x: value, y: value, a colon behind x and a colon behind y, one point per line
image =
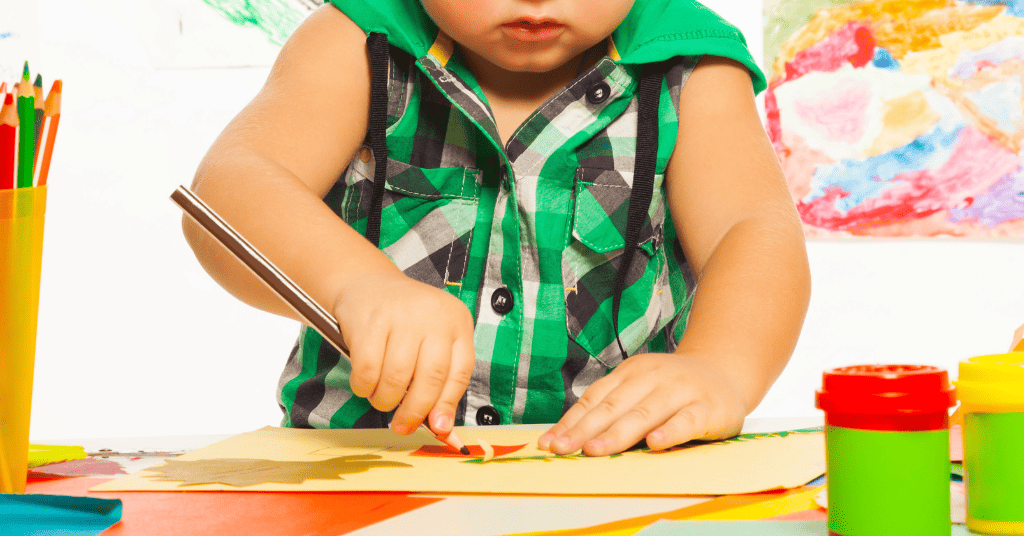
x: 427, y: 217
x: 591, y: 261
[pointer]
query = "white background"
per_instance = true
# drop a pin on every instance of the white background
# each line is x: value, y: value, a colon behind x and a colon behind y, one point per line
x: 135, y: 339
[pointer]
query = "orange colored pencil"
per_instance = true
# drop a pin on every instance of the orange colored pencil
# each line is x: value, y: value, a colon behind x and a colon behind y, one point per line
x: 8, y: 142
x: 3, y: 88
x: 49, y: 133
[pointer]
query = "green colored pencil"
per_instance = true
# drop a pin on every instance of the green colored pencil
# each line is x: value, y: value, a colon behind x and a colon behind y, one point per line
x: 26, y: 129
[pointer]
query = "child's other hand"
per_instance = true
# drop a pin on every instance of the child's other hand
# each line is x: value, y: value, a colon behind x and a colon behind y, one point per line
x: 411, y: 347
x: 1018, y: 334
x: 668, y: 399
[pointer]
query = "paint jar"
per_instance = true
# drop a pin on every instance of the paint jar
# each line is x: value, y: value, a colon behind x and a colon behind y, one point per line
x: 887, y: 449
x: 991, y: 392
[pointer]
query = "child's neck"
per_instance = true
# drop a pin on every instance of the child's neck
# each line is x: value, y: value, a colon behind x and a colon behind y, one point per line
x: 528, y: 87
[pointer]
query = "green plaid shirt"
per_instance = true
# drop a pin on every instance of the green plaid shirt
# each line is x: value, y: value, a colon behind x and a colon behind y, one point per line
x: 528, y: 236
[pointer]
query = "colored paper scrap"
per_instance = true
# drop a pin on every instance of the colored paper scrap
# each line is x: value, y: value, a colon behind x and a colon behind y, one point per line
x: 475, y: 451
x: 744, y: 506
x: 31, y: 514
x: 748, y: 528
x: 86, y: 467
x: 737, y: 465
x: 47, y: 454
x: 788, y: 504
x: 241, y: 473
x: 242, y: 514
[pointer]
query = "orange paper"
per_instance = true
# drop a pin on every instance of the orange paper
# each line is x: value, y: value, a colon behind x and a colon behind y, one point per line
x: 243, y: 514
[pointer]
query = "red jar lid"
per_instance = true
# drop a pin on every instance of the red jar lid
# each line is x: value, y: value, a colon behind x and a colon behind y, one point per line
x: 887, y: 397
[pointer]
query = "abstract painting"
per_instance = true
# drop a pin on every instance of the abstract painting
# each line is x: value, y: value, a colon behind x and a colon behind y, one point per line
x: 899, y: 118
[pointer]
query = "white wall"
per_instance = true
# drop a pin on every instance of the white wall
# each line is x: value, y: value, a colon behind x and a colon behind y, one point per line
x: 135, y: 339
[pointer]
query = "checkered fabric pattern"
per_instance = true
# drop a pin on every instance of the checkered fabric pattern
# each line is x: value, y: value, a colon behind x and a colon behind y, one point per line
x: 542, y: 218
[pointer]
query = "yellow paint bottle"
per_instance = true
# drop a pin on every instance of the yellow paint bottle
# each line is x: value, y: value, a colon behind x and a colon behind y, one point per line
x: 991, y: 393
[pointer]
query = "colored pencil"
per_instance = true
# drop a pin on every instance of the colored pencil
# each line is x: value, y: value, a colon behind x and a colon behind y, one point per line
x: 8, y: 142
x: 26, y: 130
x: 38, y: 88
x: 315, y: 316
x: 3, y: 88
x: 48, y: 133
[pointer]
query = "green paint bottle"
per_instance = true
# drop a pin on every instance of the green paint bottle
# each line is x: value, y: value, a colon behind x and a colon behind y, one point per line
x: 991, y: 392
x: 887, y: 450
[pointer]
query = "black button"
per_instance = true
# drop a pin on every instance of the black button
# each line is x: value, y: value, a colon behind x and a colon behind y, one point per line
x: 501, y: 301
x: 487, y: 416
x: 598, y: 93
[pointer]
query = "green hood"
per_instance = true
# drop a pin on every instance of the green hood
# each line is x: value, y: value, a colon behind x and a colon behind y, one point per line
x: 654, y: 30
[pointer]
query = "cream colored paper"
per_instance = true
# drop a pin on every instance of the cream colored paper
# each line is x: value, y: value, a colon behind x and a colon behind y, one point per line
x: 750, y: 463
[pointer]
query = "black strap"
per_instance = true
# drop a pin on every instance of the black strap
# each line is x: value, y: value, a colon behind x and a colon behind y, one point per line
x: 377, y: 43
x: 643, y: 180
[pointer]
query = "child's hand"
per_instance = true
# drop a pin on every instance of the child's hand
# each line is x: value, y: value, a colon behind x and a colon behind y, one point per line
x: 1018, y: 334
x: 667, y: 398
x: 411, y: 347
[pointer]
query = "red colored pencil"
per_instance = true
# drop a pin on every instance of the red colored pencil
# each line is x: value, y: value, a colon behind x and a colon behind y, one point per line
x: 8, y: 142
x: 48, y: 133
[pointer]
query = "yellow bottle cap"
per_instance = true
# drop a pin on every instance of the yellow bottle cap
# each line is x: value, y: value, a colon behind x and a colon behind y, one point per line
x: 992, y: 383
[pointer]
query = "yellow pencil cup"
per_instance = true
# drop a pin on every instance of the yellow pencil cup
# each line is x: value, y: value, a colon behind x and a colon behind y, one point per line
x: 22, y: 212
x: 991, y: 392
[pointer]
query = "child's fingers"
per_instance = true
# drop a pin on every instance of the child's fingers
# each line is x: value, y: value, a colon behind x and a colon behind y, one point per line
x: 366, y: 353
x: 463, y: 357
x: 432, y: 365
x: 600, y: 415
x: 591, y: 397
x: 688, y: 423
x: 629, y: 428
x: 396, y: 371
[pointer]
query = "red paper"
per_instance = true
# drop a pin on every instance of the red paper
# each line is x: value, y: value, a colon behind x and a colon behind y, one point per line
x: 475, y: 451
x: 183, y: 513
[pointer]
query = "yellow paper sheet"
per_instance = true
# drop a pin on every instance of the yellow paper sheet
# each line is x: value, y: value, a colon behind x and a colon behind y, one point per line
x: 748, y: 464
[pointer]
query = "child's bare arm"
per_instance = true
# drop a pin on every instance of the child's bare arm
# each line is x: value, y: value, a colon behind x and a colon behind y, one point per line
x: 267, y: 173
x: 744, y: 241
x: 269, y: 169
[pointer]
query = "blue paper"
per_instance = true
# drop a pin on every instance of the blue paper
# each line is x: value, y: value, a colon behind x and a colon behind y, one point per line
x: 748, y: 528
x: 56, y: 515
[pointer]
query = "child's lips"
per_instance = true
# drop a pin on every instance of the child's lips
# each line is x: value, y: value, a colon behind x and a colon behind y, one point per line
x: 533, y: 30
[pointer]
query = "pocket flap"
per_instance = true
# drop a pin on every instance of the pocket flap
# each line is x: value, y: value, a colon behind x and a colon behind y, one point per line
x: 602, y: 211
x: 432, y: 183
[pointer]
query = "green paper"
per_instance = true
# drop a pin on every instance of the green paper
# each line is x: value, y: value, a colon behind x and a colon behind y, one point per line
x: 882, y: 482
x: 56, y: 515
x: 666, y: 527
x: 994, y: 466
